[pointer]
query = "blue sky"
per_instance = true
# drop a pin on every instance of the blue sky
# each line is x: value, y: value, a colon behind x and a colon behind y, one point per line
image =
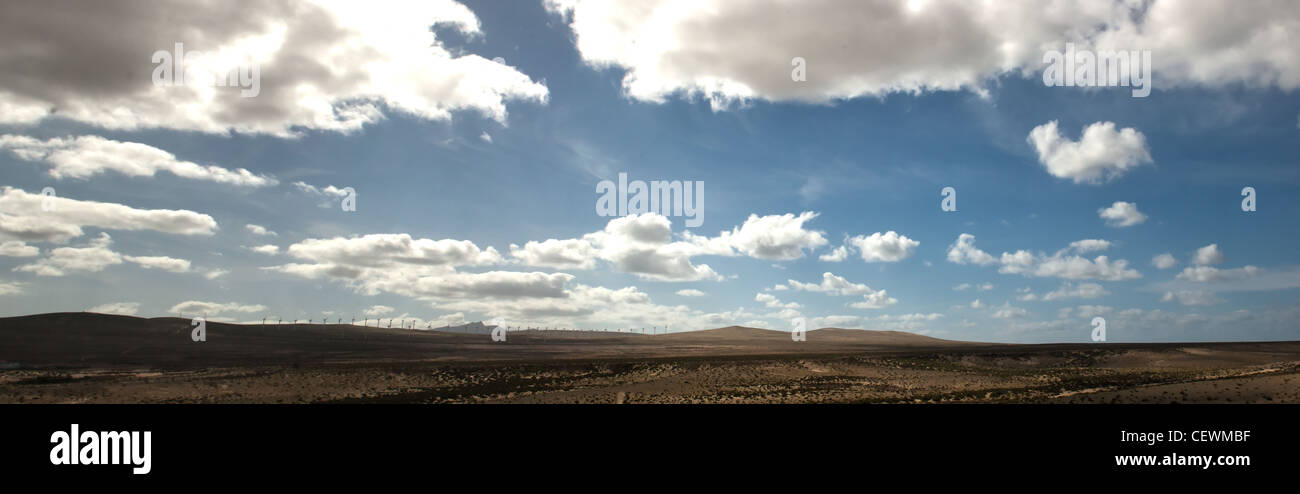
x: 862, y: 147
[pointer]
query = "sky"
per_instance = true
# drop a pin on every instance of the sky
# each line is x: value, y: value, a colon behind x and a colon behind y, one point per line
x: 444, y: 162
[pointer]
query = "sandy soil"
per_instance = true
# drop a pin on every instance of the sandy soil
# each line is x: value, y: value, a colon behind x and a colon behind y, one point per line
x: 81, y: 358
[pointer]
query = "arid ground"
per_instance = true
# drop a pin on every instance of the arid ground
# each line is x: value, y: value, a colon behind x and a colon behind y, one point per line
x: 97, y: 358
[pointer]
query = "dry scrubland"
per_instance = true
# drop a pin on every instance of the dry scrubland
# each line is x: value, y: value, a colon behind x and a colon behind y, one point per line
x: 95, y: 358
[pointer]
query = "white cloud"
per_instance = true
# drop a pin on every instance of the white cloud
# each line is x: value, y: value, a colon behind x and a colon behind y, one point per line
x: 259, y: 230
x: 838, y: 254
x: 10, y: 288
x: 887, y: 247
x: 643, y: 245
x: 164, y: 263
x: 961, y: 287
x: 93, y: 257
x: 376, y: 250
x: 15, y: 248
x: 1202, y: 274
x: 832, y: 284
x: 267, y: 249
x: 1081, y: 290
x: 485, y: 137
x: 1192, y: 298
x: 1068, y: 267
x: 122, y: 308
x: 560, y: 254
x: 690, y: 292
x: 419, y: 268
x: 324, y: 65
x: 199, y: 308
x: 1101, y: 155
x: 1006, y: 311
x: 1061, y: 264
x: 1122, y: 214
x: 21, y: 218
x: 1089, y: 245
x: 709, y: 48
x: 83, y: 157
x: 875, y: 300
x: 1091, y: 311
x: 964, y: 251
x: 976, y: 304
x: 1164, y: 261
x: 776, y: 237
x: 772, y: 302
x: 378, y: 310
x: 1207, y: 255
x: 836, y: 321
x: 328, y: 190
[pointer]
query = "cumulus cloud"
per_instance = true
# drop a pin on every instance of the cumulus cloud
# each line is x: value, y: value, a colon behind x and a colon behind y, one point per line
x: 887, y: 247
x: 1122, y: 214
x: 644, y: 245
x: 164, y: 263
x: 417, y: 268
x: 1203, y: 274
x: 377, y: 250
x: 267, y: 249
x: 1089, y: 245
x: 560, y: 254
x: 83, y: 157
x: 1208, y: 255
x: 92, y: 257
x: 1191, y: 298
x: 832, y: 284
x: 875, y: 300
x: 21, y: 218
x: 1091, y: 311
x: 328, y: 190
x: 10, y: 288
x: 690, y: 292
x: 323, y: 65
x: 1064, y: 263
x: 1101, y: 155
x: 1081, y: 290
x: 378, y: 310
x: 964, y: 252
x: 1072, y: 267
x: 710, y: 49
x: 1164, y: 261
x: 259, y: 230
x: 195, y: 307
x: 1006, y: 311
x: 121, y: 308
x: 776, y: 237
x: 15, y: 248
x: 836, y: 255
x: 770, y: 301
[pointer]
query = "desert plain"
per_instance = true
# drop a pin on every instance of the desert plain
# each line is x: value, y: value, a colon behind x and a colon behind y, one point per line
x: 99, y: 358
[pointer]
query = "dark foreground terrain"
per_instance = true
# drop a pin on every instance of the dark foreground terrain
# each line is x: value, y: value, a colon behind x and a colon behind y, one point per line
x: 97, y: 358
